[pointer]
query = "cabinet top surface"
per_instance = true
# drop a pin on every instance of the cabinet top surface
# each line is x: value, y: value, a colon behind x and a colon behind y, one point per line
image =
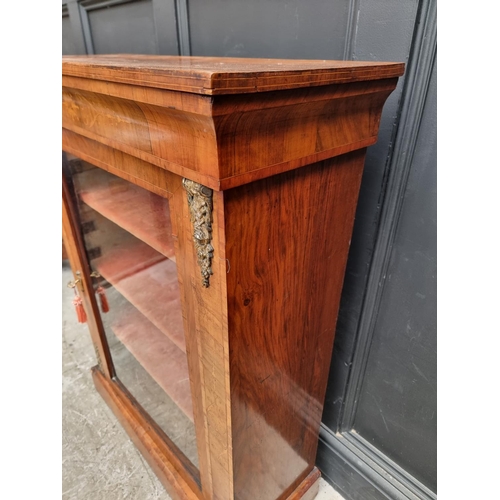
x: 224, y: 75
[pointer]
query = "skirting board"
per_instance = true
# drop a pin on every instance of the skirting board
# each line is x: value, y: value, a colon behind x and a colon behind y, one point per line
x: 359, y: 472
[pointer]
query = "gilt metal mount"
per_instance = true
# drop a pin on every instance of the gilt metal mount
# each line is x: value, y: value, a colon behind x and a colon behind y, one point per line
x: 200, y: 208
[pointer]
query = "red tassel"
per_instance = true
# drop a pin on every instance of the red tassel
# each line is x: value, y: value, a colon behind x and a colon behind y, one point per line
x: 80, y: 311
x: 104, y: 300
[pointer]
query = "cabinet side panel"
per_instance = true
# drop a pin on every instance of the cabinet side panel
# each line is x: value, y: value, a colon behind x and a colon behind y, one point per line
x: 287, y: 239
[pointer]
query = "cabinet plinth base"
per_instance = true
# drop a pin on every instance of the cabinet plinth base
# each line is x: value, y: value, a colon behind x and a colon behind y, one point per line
x: 308, y: 488
x: 161, y: 454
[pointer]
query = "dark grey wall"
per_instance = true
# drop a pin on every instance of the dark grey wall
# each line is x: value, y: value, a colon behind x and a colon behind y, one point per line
x: 380, y: 31
x: 128, y: 27
x: 378, y: 438
x: 396, y: 411
x: 120, y: 26
x: 379, y: 434
x: 68, y: 42
x: 259, y: 28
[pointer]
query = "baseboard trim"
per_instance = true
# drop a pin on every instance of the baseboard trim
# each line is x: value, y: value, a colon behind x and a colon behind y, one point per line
x: 361, y: 472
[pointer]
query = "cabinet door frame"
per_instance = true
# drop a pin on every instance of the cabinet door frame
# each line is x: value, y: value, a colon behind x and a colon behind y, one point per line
x: 81, y: 273
x: 179, y: 476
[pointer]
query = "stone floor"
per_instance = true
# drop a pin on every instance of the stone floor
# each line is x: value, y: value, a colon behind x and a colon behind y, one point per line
x: 99, y: 462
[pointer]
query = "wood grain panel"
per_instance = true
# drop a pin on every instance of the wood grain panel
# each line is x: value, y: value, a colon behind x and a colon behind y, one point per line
x: 182, y: 138
x: 231, y: 140
x: 229, y: 75
x: 234, y: 139
x: 258, y: 133
x: 286, y: 272
x: 121, y: 164
x: 106, y: 117
x: 159, y: 97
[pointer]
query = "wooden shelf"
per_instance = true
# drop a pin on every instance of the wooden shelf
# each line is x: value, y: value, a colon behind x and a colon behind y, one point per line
x: 126, y: 259
x: 142, y: 213
x: 152, y: 289
x: 158, y: 355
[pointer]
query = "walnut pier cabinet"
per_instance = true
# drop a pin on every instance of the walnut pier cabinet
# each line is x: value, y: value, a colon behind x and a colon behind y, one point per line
x: 208, y: 205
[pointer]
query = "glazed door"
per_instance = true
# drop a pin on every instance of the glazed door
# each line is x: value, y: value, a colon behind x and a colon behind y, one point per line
x: 126, y: 235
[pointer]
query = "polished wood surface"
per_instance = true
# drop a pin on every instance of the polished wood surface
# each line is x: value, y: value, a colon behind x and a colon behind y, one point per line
x: 266, y: 134
x: 216, y: 75
x: 225, y: 140
x: 130, y: 168
x: 286, y: 272
x: 282, y: 144
x: 308, y: 488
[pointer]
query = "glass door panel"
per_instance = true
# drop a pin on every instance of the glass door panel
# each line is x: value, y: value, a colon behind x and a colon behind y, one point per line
x: 128, y: 240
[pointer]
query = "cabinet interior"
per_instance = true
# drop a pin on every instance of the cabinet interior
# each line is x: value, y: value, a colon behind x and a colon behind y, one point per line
x: 127, y: 233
